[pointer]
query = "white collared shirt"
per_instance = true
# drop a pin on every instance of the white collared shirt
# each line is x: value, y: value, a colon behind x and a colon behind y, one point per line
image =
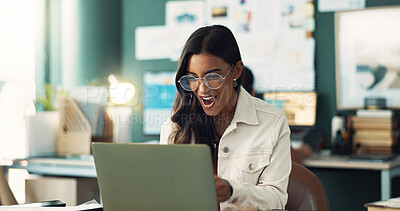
x: 253, y: 155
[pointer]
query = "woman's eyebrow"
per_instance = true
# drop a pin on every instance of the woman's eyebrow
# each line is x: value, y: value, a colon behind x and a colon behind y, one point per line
x: 210, y: 71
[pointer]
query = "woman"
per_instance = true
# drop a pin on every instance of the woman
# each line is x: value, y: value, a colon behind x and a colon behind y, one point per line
x: 249, y: 139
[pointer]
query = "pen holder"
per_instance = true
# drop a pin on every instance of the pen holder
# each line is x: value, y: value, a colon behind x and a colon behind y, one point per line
x: 341, y: 145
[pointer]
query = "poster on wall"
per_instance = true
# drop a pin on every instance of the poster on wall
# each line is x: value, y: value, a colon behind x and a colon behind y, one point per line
x: 152, y: 42
x: 368, y: 45
x: 340, y: 5
x: 219, y: 12
x: 182, y: 18
x: 274, y: 37
x: 158, y: 97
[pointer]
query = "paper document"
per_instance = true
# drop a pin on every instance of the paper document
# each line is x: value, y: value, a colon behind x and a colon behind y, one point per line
x: 152, y: 42
x: 90, y: 205
x: 338, y: 5
x: 390, y: 204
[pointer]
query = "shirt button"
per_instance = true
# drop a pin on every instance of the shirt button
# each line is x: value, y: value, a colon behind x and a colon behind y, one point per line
x: 252, y: 166
x: 226, y: 149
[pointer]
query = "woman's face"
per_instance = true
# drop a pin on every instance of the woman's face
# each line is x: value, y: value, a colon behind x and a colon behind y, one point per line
x: 219, y: 101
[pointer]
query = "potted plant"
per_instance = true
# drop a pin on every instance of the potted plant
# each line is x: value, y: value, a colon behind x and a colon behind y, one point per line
x: 41, y: 127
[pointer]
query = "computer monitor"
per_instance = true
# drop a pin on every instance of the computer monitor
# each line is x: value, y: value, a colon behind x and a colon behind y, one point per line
x: 300, y: 109
x: 159, y: 93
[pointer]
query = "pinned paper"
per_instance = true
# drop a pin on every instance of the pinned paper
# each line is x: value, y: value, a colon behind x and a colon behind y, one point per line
x: 152, y: 42
x: 340, y: 5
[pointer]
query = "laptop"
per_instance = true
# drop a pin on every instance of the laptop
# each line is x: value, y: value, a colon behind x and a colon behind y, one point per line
x: 155, y: 177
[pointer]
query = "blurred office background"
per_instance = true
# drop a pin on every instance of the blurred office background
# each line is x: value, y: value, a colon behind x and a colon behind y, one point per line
x: 71, y: 43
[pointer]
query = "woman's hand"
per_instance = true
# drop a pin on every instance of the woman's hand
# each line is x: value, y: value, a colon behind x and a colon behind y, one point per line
x: 223, y: 188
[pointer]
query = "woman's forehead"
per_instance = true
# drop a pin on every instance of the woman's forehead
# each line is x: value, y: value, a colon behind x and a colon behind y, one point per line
x: 199, y: 63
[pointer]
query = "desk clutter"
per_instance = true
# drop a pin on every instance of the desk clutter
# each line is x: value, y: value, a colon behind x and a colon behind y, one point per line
x: 392, y: 204
x: 91, y: 205
x: 374, y: 132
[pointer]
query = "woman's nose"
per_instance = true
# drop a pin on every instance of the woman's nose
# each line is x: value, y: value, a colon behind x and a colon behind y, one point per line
x: 202, y: 87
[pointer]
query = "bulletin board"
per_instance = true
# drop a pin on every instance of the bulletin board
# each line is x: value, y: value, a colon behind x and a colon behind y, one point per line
x: 274, y: 37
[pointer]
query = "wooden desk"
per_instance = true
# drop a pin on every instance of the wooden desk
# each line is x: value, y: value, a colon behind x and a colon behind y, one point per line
x: 74, y: 167
x: 388, y: 169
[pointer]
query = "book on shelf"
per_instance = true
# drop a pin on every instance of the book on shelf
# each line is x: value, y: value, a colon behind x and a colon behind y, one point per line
x: 376, y: 149
x: 373, y: 134
x: 373, y: 123
x: 377, y: 120
x: 392, y: 204
x: 374, y: 142
x: 358, y: 125
x: 378, y: 113
x: 363, y: 119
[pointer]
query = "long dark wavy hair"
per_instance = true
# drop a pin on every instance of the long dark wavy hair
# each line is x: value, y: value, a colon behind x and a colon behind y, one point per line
x: 188, y: 114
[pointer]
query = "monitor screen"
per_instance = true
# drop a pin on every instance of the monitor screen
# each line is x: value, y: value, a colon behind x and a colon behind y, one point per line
x: 159, y: 93
x: 367, y: 56
x: 300, y: 107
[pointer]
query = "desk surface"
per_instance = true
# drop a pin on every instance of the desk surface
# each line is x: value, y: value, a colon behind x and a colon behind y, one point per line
x: 388, y: 169
x: 340, y: 161
x: 75, y: 167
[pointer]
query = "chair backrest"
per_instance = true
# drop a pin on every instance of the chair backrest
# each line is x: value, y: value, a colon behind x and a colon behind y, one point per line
x: 305, y: 190
x: 6, y: 196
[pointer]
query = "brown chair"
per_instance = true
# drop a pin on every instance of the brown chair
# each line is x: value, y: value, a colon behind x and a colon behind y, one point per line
x: 305, y: 190
x: 6, y: 196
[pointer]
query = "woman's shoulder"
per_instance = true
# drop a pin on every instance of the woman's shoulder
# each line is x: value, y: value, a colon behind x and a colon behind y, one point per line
x: 166, y: 129
x: 168, y: 122
x: 168, y: 125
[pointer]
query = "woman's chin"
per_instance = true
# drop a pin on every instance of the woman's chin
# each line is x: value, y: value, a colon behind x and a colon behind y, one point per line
x: 210, y: 111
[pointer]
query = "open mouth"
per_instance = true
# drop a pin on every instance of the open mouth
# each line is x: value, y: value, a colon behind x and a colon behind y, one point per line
x: 208, y: 102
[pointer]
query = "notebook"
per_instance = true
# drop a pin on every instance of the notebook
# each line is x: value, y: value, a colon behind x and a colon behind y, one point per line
x: 155, y: 177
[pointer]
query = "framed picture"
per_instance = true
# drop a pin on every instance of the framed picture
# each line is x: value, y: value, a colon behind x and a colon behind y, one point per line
x: 367, y: 56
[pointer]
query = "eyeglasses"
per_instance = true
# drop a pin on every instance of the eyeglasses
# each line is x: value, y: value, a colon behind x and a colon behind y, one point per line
x: 211, y: 80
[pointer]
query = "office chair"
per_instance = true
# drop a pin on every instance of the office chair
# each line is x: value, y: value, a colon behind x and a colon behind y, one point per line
x: 6, y: 196
x: 305, y: 190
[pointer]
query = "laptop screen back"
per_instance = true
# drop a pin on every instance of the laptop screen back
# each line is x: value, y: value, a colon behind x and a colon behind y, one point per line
x: 155, y: 177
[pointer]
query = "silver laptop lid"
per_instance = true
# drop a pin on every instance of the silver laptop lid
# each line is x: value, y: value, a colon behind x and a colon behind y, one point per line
x: 155, y: 177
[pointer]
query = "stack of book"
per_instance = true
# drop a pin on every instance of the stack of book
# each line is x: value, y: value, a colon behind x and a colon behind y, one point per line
x: 375, y: 131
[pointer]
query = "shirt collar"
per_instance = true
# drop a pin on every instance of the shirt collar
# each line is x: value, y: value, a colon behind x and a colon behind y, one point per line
x: 245, y: 109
